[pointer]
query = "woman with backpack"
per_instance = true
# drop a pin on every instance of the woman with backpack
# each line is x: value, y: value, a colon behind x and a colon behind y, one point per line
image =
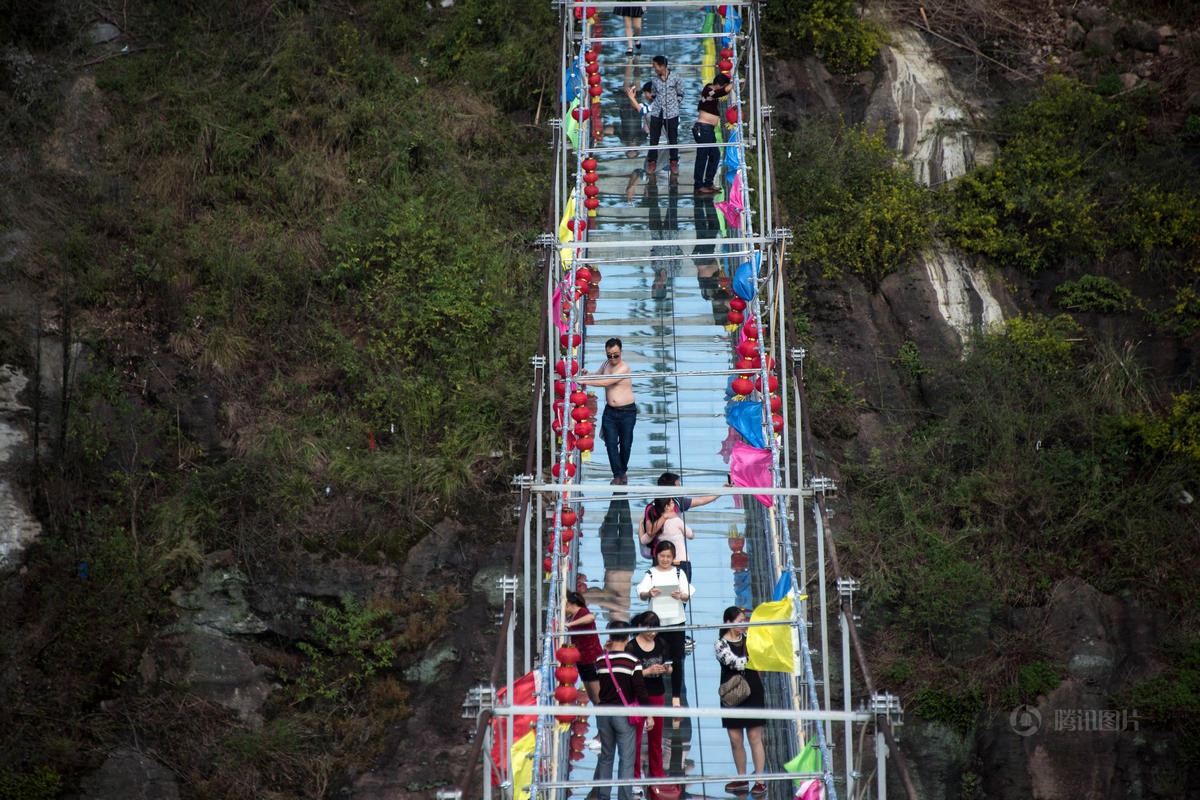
x: 667, y: 589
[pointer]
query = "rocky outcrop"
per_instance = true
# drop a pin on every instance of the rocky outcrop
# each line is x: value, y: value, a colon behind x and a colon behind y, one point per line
x: 1073, y: 742
x: 129, y: 775
x: 18, y: 528
x: 206, y: 649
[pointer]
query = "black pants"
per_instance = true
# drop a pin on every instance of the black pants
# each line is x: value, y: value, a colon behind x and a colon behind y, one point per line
x: 707, y: 158
x: 673, y: 637
x: 672, y: 126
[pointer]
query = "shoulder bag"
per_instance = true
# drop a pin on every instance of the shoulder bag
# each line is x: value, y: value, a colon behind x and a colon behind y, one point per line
x: 734, y: 691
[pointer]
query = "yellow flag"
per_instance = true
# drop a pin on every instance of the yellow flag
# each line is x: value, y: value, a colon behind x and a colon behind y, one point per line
x: 770, y: 646
x: 522, y: 761
x: 564, y: 233
x: 709, y: 70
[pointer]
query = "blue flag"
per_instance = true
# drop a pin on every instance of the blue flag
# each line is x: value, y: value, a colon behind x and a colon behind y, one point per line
x: 745, y: 417
x: 746, y: 277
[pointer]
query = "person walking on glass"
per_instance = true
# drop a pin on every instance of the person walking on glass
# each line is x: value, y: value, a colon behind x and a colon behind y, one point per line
x: 705, y: 133
x: 620, y: 411
x: 621, y: 683
x: 668, y: 93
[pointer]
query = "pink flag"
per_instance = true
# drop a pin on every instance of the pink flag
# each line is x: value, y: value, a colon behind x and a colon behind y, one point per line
x: 751, y: 466
x: 810, y: 790
x: 732, y: 207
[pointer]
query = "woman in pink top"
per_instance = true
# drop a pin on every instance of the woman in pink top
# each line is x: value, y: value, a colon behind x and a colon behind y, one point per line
x: 675, y: 531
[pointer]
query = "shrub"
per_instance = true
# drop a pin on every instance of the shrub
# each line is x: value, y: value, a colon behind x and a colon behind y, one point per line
x: 851, y: 208
x: 830, y: 28
x: 1093, y: 293
x: 345, y: 646
x: 956, y: 709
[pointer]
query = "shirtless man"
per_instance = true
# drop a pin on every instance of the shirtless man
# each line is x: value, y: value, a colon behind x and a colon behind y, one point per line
x: 620, y: 411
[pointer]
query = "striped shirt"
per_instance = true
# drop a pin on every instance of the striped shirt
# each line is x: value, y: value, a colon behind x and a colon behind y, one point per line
x: 668, y: 92
x: 627, y: 670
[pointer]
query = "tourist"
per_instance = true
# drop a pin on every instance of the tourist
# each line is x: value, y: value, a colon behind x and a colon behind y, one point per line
x: 620, y: 411
x: 588, y: 644
x: 668, y: 589
x: 668, y: 93
x: 733, y: 656
x: 704, y: 131
x: 621, y: 683
x: 653, y: 655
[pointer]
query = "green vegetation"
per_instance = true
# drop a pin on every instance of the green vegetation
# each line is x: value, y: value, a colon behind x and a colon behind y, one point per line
x: 1093, y: 293
x: 42, y: 783
x: 851, y: 208
x: 1173, y: 698
x: 1082, y: 177
x: 306, y: 297
x: 830, y: 28
x: 956, y: 709
x: 1043, y: 459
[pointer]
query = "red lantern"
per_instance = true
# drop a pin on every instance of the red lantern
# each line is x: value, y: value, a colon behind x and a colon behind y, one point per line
x: 579, y: 413
x: 751, y: 331
x: 731, y: 115
x: 590, y: 56
x: 586, y: 443
x: 595, y: 275
x: 561, y: 367
x: 577, y: 742
x: 579, y: 397
x: 724, y: 65
x: 726, y: 52
x: 736, y: 543
x: 580, y: 223
x: 591, y: 13
x: 591, y: 203
x: 569, y: 442
x: 580, y: 114
x: 745, y: 363
x: 772, y: 383
x: 593, y: 80
x: 566, y: 694
x: 585, y: 273
x: 589, y: 164
x: 737, y: 304
x: 776, y: 405
x: 567, y: 655
x: 568, y: 516
x: 742, y: 386
x: 557, y: 425
x: 724, y: 281
x: 590, y: 177
x: 580, y: 727
x: 720, y: 10
x: 748, y: 348
x: 592, y: 68
x: 574, y: 340
x: 567, y: 535
x: 584, y: 429
x: 590, y: 190
x: 560, y: 387
x: 554, y: 470
x: 547, y: 563
x: 595, y: 91
x: 736, y: 317
x: 777, y: 423
x: 739, y: 561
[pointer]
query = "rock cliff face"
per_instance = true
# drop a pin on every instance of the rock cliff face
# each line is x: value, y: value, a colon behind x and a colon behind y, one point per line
x: 1073, y: 741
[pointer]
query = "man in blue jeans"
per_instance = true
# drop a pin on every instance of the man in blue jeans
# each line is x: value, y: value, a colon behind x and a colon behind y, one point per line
x: 620, y: 411
x: 621, y: 683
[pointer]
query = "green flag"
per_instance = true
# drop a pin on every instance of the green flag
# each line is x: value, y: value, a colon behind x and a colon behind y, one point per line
x: 809, y: 760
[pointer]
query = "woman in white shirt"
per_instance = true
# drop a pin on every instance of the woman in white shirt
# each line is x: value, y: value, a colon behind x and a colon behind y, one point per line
x: 667, y: 588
